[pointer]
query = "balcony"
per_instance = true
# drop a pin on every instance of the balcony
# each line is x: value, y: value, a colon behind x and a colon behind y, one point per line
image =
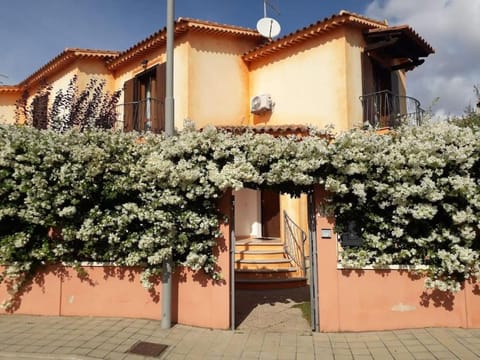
x: 143, y: 115
x: 384, y: 109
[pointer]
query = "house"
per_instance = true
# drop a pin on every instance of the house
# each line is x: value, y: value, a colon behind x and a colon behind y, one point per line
x: 346, y: 70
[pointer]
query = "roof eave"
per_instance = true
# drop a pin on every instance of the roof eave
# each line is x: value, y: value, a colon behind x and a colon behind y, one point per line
x: 10, y: 89
x: 65, y: 58
x: 182, y: 26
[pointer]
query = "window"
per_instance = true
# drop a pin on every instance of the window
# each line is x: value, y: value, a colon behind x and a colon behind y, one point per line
x: 144, y: 98
x: 40, y: 111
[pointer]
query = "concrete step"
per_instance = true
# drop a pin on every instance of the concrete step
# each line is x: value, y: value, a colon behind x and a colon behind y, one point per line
x: 260, y: 246
x: 259, y: 254
x: 262, y: 284
x: 272, y: 273
x: 263, y: 264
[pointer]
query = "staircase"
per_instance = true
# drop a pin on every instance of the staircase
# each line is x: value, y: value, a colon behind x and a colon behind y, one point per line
x: 264, y: 263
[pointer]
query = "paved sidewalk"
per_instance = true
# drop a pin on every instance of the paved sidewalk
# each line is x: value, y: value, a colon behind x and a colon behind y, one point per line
x: 76, y: 338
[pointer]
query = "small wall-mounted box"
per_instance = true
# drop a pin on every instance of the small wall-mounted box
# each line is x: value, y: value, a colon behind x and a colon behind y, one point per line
x: 326, y: 233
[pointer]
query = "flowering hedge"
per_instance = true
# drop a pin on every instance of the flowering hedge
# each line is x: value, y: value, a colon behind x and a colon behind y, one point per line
x: 414, y: 196
x: 114, y: 197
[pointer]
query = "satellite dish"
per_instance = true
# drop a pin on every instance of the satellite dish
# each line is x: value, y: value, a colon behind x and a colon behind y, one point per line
x: 268, y: 27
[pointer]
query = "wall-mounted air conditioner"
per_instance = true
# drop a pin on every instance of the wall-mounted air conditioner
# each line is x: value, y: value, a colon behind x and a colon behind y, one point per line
x: 260, y: 104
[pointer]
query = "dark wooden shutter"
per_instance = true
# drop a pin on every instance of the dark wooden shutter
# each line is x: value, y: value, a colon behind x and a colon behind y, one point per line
x: 158, y: 124
x: 128, y: 110
x: 40, y: 111
x: 367, y: 75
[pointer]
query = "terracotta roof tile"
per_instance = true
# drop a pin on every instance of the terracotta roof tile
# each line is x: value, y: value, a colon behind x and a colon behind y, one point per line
x: 64, y: 58
x: 10, y: 88
x: 274, y: 130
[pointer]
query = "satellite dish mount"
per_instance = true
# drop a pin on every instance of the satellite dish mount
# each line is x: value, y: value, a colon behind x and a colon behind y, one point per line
x: 266, y: 26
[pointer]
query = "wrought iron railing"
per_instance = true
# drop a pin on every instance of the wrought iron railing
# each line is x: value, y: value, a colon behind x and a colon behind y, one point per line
x: 385, y: 109
x: 143, y: 115
x: 295, y: 239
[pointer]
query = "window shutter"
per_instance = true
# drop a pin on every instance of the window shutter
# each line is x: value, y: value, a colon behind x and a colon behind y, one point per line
x: 128, y: 107
x: 40, y: 111
x: 367, y: 75
x: 159, y: 120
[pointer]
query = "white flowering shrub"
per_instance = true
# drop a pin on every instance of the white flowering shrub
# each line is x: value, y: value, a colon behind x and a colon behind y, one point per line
x: 414, y: 195
x: 134, y: 200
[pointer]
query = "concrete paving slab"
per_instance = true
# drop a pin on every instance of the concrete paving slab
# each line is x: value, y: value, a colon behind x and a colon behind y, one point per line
x: 76, y: 338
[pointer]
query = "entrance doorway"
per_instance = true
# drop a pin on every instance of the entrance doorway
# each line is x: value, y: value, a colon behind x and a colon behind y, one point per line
x: 270, y: 208
x: 270, y: 288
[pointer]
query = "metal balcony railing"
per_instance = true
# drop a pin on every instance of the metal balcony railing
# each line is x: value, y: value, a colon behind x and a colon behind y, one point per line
x: 143, y: 115
x: 385, y: 109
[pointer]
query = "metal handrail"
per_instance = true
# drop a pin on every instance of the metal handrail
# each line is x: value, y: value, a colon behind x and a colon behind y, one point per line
x: 386, y: 109
x: 295, y: 239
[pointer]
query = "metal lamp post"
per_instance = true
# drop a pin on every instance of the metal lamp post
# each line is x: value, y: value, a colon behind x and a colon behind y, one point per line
x: 166, y: 322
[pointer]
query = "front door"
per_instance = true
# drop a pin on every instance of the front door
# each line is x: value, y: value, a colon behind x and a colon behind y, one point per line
x: 270, y: 201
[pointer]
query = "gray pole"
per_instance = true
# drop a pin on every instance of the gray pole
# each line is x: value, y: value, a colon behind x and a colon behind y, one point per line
x: 169, y: 101
x: 169, y: 126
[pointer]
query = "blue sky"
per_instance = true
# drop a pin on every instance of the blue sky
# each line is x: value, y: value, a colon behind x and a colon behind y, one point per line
x: 32, y: 32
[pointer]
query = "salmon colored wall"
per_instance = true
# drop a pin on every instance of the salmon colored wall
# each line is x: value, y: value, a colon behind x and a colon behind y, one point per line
x: 367, y: 299
x: 472, y: 289
x: 117, y: 291
x: 7, y: 107
x: 218, y: 80
x: 307, y: 82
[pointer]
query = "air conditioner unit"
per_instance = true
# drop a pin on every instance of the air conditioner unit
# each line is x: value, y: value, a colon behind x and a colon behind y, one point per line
x: 260, y: 104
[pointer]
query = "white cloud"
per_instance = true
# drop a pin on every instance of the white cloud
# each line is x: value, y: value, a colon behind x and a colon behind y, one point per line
x: 451, y: 27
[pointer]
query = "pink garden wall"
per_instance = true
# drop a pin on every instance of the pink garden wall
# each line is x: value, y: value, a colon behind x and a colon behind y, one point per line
x: 368, y: 299
x: 197, y: 300
x: 348, y: 300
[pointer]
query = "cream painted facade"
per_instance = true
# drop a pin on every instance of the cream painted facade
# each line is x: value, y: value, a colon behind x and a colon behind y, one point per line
x: 7, y: 106
x: 315, y: 76
x: 307, y: 82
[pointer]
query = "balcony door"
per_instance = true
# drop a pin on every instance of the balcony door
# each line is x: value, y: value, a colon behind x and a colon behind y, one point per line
x: 144, y: 98
x: 380, y: 87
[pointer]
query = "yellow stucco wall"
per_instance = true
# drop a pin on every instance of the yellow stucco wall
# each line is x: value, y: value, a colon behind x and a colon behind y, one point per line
x: 218, y: 80
x: 353, y: 57
x: 7, y: 107
x: 84, y: 68
x: 155, y: 57
x: 88, y: 68
x: 210, y: 78
x: 307, y: 82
